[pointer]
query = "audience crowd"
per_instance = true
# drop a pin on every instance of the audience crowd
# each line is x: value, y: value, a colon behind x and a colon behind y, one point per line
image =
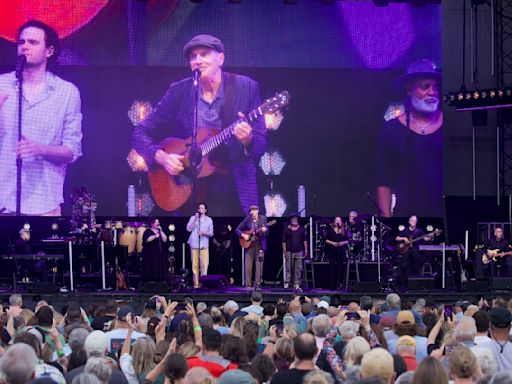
x: 302, y: 340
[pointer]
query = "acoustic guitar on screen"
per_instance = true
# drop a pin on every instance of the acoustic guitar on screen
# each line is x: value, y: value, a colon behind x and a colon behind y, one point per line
x: 172, y: 192
x: 252, y: 235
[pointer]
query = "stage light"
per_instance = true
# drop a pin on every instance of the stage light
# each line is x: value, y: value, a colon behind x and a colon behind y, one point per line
x: 492, y: 93
x: 500, y: 93
x: 136, y: 161
x: 272, y: 163
x: 139, y: 111
x: 460, y: 96
x: 172, y: 227
x: 26, y: 226
x: 468, y: 95
x: 172, y: 237
x: 476, y: 99
x: 401, y: 227
x: 476, y: 95
x: 430, y: 228
x: 508, y: 92
x: 273, y: 120
x: 483, y: 94
x: 275, y: 205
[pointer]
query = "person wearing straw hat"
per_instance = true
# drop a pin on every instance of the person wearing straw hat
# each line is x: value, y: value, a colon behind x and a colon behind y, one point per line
x: 409, y: 167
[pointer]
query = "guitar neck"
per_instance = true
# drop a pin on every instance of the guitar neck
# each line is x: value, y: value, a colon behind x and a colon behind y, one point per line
x: 217, y: 140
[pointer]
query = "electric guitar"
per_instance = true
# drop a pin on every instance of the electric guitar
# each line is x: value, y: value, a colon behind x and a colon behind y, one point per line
x: 252, y: 235
x: 493, y: 254
x: 402, y: 247
x: 172, y: 192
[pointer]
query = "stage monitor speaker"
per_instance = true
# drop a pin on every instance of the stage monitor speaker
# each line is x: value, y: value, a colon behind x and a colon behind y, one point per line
x: 156, y: 287
x: 43, y: 287
x: 213, y: 281
x: 421, y: 283
x: 366, y: 287
x: 475, y: 286
x: 502, y: 284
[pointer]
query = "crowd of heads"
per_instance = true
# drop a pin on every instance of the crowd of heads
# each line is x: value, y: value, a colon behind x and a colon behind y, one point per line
x: 294, y: 340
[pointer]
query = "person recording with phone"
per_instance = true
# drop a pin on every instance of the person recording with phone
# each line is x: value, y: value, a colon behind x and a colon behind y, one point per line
x: 200, y: 227
x: 155, y: 264
x: 336, y: 248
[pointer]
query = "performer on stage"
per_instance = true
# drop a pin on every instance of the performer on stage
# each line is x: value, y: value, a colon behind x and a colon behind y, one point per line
x: 21, y: 245
x: 222, y: 98
x: 155, y: 263
x: 336, y: 248
x: 295, y: 248
x: 408, y: 260
x: 223, y: 241
x: 200, y: 227
x: 496, y: 244
x: 51, y: 126
x: 256, y: 225
x: 409, y: 161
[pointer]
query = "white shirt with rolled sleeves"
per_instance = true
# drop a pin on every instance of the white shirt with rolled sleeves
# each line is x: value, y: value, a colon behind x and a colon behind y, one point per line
x: 53, y: 118
x: 194, y: 225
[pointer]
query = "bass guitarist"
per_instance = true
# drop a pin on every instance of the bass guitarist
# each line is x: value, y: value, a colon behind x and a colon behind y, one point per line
x: 407, y: 261
x: 499, y: 246
x: 254, y: 227
x: 222, y: 96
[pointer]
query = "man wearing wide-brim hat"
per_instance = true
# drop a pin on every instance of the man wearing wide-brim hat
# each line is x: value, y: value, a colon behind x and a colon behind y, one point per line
x: 409, y: 158
x: 222, y: 99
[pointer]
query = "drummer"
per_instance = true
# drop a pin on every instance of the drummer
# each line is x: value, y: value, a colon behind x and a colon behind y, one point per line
x: 354, y: 226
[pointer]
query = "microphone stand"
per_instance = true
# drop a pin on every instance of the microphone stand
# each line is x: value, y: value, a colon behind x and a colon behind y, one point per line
x: 19, y: 161
x: 194, y: 154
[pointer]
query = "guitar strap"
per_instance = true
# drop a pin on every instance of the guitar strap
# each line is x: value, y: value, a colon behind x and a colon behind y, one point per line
x: 229, y: 98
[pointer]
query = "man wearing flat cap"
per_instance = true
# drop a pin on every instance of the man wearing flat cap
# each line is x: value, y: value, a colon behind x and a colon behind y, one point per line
x: 222, y: 99
x: 409, y: 158
x: 254, y: 228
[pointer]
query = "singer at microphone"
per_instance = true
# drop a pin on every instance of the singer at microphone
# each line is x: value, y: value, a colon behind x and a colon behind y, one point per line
x: 200, y: 227
x: 48, y: 134
x: 336, y: 249
x: 211, y: 107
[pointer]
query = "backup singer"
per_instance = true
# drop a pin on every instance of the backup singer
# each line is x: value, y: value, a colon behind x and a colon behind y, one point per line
x: 155, y: 263
x: 295, y: 248
x: 51, y: 131
x: 222, y: 97
x: 200, y: 227
x: 256, y: 225
x: 336, y: 248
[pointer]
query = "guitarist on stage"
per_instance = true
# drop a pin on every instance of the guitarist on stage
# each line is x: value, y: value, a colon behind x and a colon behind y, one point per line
x: 254, y: 227
x: 222, y: 98
x: 501, y: 245
x: 407, y: 261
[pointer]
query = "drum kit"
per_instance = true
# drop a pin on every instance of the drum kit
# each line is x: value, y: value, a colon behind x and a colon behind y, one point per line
x: 367, y: 237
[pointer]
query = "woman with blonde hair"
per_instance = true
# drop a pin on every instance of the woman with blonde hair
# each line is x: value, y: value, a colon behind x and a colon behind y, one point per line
x: 355, y: 350
x: 463, y: 366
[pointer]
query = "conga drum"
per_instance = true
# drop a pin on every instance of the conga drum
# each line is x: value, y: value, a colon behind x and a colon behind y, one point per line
x: 140, y: 233
x: 128, y: 238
